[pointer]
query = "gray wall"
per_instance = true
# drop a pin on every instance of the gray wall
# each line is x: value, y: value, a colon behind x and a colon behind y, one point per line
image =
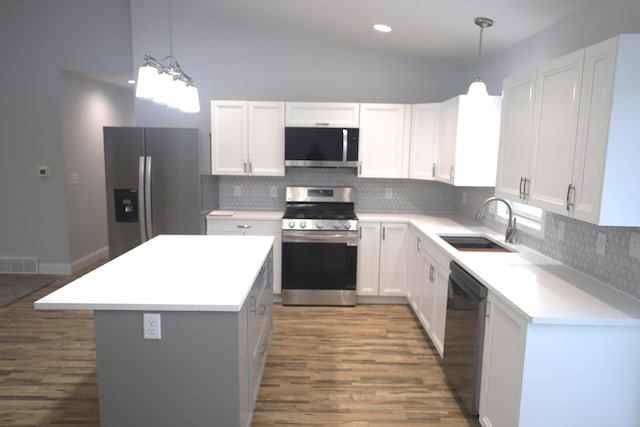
x: 39, y: 40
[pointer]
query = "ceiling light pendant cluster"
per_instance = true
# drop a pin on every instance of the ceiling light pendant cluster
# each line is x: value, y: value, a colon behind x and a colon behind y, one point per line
x: 166, y: 83
x: 477, y: 87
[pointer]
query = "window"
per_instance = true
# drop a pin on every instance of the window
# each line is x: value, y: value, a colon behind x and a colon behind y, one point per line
x: 527, y: 217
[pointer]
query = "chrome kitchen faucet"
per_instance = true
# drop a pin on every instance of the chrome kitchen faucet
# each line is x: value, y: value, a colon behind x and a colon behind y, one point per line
x: 511, y: 224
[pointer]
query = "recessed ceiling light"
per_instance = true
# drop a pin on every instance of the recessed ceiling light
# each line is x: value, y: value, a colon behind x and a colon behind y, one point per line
x: 382, y: 28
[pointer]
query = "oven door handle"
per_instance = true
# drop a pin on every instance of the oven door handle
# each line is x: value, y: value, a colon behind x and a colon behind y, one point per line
x: 350, y: 239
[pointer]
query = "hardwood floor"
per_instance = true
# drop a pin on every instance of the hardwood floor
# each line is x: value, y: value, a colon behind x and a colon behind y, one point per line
x: 363, y: 366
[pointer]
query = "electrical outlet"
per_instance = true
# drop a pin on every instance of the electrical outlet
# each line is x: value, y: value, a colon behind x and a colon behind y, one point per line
x: 151, y: 326
x: 602, y: 243
x: 43, y: 171
x: 388, y: 193
x: 237, y: 191
x: 634, y: 245
x: 561, y: 231
x: 274, y: 191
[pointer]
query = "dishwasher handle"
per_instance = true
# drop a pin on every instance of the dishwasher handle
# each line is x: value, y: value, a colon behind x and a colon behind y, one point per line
x: 469, y: 284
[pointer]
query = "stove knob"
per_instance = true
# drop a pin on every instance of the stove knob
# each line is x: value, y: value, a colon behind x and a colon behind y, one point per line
x: 336, y: 225
x: 346, y: 226
x: 303, y: 224
x: 320, y: 226
x: 291, y: 224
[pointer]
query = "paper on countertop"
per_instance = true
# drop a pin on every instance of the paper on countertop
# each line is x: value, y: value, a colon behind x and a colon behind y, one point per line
x: 222, y: 213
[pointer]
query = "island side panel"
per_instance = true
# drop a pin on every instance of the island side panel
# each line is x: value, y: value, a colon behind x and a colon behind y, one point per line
x: 195, y: 375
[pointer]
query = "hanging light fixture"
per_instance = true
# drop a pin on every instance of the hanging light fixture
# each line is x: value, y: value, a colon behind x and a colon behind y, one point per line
x: 477, y: 87
x: 166, y: 83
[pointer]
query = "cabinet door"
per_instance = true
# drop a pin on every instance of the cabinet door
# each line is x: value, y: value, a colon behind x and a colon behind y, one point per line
x: 554, y: 131
x: 229, y: 137
x: 368, y: 258
x: 425, y: 135
x: 426, y: 291
x: 593, y: 130
x: 445, y: 170
x: 515, y: 136
x: 415, y: 242
x: 266, y: 138
x: 393, y: 259
x: 323, y: 114
x: 383, y: 133
x: 502, y: 366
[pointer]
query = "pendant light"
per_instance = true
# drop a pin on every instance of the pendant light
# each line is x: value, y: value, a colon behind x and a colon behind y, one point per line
x: 477, y: 87
x: 166, y: 83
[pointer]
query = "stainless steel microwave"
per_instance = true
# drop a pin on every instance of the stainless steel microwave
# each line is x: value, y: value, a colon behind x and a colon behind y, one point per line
x: 321, y: 147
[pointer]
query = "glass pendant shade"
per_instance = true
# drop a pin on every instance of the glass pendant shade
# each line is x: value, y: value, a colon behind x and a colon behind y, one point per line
x: 178, y: 90
x: 191, y: 100
x: 145, y: 87
x: 477, y: 89
x: 163, y: 89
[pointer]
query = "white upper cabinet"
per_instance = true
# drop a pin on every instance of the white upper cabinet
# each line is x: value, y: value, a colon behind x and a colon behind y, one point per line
x: 323, y: 114
x: 384, y: 140
x: 247, y: 138
x: 425, y: 135
x: 468, y: 149
x: 516, y: 137
x: 583, y: 155
x: 606, y: 171
x: 556, y: 107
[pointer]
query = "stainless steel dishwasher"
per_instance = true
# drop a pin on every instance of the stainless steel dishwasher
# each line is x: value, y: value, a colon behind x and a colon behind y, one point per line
x: 464, y: 335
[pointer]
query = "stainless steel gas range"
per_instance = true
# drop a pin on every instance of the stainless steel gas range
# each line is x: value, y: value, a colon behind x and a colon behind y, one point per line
x: 319, y: 246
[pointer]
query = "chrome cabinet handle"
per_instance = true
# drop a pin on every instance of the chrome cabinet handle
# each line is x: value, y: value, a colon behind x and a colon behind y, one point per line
x: 433, y: 170
x: 570, y: 204
x: 526, y: 188
x: 147, y: 198
x: 418, y: 245
x: 252, y: 306
x: 143, y: 229
x: 243, y: 226
x: 250, y: 167
x: 520, y: 187
x: 322, y: 124
x: 384, y: 232
x: 244, y: 166
x: 451, y: 173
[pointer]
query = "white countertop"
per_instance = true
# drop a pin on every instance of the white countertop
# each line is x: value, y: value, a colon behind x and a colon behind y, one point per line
x: 170, y: 273
x: 542, y: 290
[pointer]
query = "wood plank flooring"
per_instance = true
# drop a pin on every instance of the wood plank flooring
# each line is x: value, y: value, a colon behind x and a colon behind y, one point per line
x: 363, y: 366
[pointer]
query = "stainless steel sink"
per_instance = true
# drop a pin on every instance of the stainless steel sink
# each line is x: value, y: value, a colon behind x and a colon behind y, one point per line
x: 475, y: 243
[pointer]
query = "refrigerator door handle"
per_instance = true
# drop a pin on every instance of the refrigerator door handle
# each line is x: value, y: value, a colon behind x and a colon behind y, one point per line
x: 147, y: 198
x: 141, y: 205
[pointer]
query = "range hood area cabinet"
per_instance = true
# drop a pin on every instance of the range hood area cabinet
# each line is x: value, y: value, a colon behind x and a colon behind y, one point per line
x: 247, y: 138
x: 323, y: 114
x: 469, y: 141
x: 578, y: 121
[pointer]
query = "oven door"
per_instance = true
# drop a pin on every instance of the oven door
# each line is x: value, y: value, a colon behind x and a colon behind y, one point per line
x: 319, y: 267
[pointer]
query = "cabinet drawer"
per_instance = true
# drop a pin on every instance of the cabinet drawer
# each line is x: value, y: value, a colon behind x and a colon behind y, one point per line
x: 237, y: 226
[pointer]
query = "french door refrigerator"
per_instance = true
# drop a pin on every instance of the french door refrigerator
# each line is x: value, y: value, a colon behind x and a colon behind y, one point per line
x: 153, y: 184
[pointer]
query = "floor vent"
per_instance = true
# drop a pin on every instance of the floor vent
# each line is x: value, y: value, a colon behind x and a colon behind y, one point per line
x: 19, y: 265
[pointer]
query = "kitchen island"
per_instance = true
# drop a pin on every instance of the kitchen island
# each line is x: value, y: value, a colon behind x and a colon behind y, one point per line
x: 198, y: 359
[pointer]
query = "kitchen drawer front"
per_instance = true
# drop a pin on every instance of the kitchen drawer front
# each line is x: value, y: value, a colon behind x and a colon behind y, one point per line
x: 261, y: 348
x: 236, y: 226
x: 259, y: 308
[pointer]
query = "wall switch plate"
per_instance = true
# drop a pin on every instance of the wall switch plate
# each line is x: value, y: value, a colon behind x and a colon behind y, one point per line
x: 43, y: 171
x: 151, y: 326
x: 237, y: 191
x: 634, y: 245
x: 602, y: 243
x: 388, y: 193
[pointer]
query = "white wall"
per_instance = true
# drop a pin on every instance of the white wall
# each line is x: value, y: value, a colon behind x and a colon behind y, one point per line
x: 88, y: 105
x: 39, y: 39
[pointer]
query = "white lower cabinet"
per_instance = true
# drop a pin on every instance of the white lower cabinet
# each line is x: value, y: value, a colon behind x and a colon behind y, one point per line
x: 382, y: 259
x: 228, y: 225
x: 428, y: 287
x: 557, y: 373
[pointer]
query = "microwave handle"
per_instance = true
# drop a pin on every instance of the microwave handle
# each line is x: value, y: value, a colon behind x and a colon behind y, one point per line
x: 345, y: 144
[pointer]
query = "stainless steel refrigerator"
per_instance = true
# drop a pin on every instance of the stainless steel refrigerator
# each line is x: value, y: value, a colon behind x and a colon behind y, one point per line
x: 153, y: 184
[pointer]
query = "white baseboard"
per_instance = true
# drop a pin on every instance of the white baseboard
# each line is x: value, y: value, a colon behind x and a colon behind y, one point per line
x: 66, y: 269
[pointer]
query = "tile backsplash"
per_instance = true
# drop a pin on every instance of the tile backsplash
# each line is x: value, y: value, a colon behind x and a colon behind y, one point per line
x: 576, y: 248
x: 372, y: 195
